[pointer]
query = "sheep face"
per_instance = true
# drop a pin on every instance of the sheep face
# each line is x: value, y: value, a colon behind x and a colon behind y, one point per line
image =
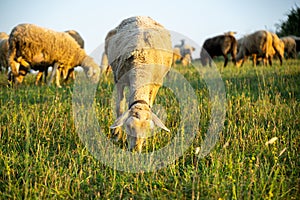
x: 138, y: 126
x: 138, y: 122
x: 91, y: 69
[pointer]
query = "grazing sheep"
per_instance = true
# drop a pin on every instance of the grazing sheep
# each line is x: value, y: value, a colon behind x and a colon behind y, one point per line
x: 139, y: 51
x: 186, y: 53
x: 220, y: 45
x: 183, y: 52
x: 31, y: 46
x: 257, y: 43
x: 289, y: 47
x: 3, y: 51
x: 44, y: 70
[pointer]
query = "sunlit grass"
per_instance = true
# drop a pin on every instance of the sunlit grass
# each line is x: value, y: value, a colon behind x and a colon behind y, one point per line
x: 42, y: 156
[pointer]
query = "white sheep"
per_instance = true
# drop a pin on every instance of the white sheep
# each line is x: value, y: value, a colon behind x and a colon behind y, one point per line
x: 139, y: 51
x: 35, y: 47
x: 185, y: 53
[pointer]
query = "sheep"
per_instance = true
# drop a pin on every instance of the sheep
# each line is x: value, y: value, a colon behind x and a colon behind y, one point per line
x: 186, y: 53
x: 220, y: 45
x: 289, y: 47
x: 139, y: 50
x: 31, y: 46
x: 257, y: 43
x: 3, y: 51
x: 183, y: 52
x: 261, y: 45
x: 74, y: 34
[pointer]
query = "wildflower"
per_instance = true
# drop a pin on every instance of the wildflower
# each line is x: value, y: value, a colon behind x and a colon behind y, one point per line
x: 271, y: 141
x: 197, y: 150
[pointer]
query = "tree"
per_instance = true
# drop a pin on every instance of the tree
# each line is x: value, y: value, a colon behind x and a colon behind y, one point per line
x: 292, y: 25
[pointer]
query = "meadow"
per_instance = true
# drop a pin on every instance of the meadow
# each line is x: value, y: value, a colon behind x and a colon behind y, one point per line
x: 256, y: 155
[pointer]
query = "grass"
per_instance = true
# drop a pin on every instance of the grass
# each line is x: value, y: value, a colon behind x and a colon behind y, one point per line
x: 42, y: 156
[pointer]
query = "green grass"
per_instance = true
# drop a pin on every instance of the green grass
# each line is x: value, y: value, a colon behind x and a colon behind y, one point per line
x: 42, y: 156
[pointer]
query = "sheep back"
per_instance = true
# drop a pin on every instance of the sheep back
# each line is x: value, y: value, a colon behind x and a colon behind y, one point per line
x: 39, y: 45
x: 259, y: 42
x: 140, y: 43
x: 220, y: 45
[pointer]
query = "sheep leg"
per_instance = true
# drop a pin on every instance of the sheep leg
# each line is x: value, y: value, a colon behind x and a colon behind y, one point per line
x: 22, y: 73
x: 210, y: 60
x: 270, y: 60
x: 226, y: 60
x: 70, y: 74
x: 280, y: 59
x: 57, y: 79
x: 120, y: 109
x: 46, y: 74
x: 38, y: 77
x: 254, y: 60
x: 233, y: 58
x: 53, y: 73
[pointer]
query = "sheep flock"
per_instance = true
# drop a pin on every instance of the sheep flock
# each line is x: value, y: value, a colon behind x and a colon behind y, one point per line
x: 30, y: 47
x: 140, y: 53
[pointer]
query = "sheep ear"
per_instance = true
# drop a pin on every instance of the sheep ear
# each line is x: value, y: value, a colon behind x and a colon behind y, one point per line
x: 158, y: 122
x: 120, y: 120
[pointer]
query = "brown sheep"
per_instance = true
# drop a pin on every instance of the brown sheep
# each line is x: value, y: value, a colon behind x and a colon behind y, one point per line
x: 289, y: 47
x: 220, y: 45
x: 257, y: 43
x: 44, y: 70
x: 31, y: 46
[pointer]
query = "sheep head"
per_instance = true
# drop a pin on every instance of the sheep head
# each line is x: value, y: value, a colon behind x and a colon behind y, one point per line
x: 91, y: 69
x: 138, y: 121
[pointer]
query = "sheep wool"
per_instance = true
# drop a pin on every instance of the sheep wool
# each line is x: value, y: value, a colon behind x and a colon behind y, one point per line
x: 3, y: 51
x: 139, y: 43
x: 140, y: 53
x: 39, y: 46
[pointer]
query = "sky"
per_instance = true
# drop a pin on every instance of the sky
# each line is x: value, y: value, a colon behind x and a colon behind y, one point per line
x: 196, y: 20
